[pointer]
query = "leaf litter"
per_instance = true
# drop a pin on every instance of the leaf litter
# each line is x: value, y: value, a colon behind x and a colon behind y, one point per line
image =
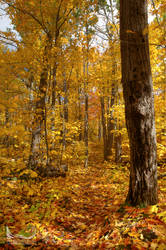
x: 85, y: 210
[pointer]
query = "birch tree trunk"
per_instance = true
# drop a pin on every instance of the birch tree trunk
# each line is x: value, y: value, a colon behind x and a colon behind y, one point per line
x: 139, y: 107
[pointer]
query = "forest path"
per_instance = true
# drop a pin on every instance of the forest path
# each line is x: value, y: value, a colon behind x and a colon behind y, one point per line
x: 84, y: 210
x: 95, y: 153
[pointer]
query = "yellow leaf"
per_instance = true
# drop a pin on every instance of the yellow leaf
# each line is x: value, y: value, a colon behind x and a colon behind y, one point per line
x: 34, y: 174
x: 30, y: 192
x: 24, y: 207
x: 162, y: 215
x: 53, y: 213
x: 11, y: 185
x: 82, y: 226
x: 152, y: 209
x: 134, y: 234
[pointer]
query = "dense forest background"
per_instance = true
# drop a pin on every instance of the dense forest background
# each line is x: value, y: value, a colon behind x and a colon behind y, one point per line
x: 64, y: 161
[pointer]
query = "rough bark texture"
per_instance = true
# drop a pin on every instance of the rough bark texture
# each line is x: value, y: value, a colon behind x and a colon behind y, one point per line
x: 138, y: 96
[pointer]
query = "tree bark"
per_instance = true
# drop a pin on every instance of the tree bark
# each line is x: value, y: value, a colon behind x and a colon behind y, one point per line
x: 110, y: 120
x: 79, y: 112
x: 65, y: 109
x: 99, y: 130
x: 139, y: 107
x: 118, y: 136
x: 86, y: 122
x: 36, y: 155
x: 103, y: 120
x: 118, y: 145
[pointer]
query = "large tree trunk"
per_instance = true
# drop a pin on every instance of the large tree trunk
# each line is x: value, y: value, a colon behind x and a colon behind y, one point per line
x: 138, y: 96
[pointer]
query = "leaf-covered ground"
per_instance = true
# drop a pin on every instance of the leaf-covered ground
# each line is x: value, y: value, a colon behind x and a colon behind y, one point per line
x: 82, y: 211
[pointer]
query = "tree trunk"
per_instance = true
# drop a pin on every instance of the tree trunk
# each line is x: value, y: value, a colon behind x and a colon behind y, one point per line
x: 108, y: 124
x: 139, y: 107
x: 118, y: 136
x: 36, y: 153
x: 79, y: 112
x: 118, y: 145
x: 110, y: 121
x: 65, y: 114
x: 86, y: 123
x: 78, y: 106
x: 118, y: 148
x: 99, y: 130
x: 103, y: 120
x: 7, y: 115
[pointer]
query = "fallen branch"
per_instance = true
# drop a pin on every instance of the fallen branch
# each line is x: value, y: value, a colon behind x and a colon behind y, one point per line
x: 19, y: 239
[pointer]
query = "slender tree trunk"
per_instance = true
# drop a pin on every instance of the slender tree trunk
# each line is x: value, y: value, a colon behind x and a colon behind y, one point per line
x: 118, y: 145
x: 114, y: 89
x: 138, y: 96
x: 46, y: 133
x: 99, y: 130
x: 7, y: 115
x: 79, y: 112
x: 36, y: 154
x: 54, y: 86
x: 65, y: 110
x: 79, y: 115
x: 86, y: 123
x: 86, y: 83
x: 118, y: 148
x: 118, y: 136
x: 110, y: 123
x: 103, y: 120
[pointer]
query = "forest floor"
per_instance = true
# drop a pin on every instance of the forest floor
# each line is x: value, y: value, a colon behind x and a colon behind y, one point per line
x: 84, y: 210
